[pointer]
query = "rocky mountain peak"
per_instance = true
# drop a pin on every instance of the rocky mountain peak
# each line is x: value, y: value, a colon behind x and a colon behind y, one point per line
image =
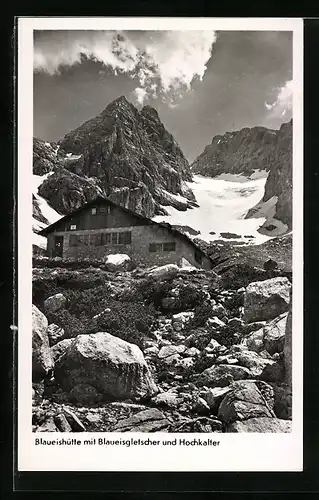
x: 119, y: 108
x: 129, y: 155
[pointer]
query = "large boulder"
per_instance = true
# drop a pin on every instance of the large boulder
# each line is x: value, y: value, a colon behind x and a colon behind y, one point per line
x: 260, y: 424
x: 118, y: 262
x: 114, y: 367
x: 42, y: 359
x: 266, y: 299
x: 55, y: 302
x: 167, y: 272
x: 244, y: 401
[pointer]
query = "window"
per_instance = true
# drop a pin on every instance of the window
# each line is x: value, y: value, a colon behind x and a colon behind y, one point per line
x: 72, y: 226
x: 162, y: 247
x: 101, y: 210
x: 106, y: 239
x: 122, y: 238
x: 169, y: 247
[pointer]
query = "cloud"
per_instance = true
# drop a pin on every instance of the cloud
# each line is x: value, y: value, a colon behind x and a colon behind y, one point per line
x: 163, y: 62
x: 140, y: 94
x: 283, y: 102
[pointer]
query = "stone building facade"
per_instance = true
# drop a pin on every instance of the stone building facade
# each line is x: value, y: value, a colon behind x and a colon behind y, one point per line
x: 101, y: 228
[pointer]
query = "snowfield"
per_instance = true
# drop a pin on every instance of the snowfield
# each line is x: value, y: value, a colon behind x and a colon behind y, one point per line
x: 223, y: 204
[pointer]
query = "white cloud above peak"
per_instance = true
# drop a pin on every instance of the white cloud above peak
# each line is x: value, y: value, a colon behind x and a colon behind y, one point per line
x: 163, y: 62
x: 283, y: 102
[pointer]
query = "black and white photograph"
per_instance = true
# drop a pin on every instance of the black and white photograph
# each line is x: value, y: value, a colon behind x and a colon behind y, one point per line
x: 161, y: 171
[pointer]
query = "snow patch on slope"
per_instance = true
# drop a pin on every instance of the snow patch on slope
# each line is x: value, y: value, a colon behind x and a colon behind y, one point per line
x: 223, y: 205
x: 47, y: 211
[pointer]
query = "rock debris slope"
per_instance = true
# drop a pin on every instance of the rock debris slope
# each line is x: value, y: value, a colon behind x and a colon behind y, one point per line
x: 161, y: 349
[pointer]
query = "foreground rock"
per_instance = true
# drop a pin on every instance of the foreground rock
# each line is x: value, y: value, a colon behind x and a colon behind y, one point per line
x: 42, y: 359
x: 114, y: 368
x: 167, y: 272
x: 262, y: 424
x: 222, y: 375
x: 244, y: 401
x: 266, y: 299
x: 145, y: 421
x: 200, y: 424
x: 54, y: 303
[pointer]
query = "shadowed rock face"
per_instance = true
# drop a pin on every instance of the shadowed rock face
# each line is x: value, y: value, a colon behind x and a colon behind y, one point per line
x: 279, y: 181
x: 66, y: 191
x: 239, y: 152
x: 122, y: 153
x: 44, y: 157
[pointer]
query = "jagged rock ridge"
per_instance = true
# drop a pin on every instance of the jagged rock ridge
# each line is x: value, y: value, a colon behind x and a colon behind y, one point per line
x: 129, y: 155
x: 240, y: 152
x: 278, y: 185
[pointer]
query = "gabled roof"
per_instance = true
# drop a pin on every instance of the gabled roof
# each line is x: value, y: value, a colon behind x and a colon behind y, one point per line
x: 145, y: 220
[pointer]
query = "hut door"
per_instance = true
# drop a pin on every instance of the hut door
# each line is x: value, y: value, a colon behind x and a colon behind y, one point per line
x: 58, y: 246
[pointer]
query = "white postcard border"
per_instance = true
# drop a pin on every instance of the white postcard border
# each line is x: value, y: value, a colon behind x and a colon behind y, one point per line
x: 236, y: 452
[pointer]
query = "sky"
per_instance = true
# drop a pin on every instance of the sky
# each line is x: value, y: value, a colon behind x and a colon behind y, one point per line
x: 202, y: 83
